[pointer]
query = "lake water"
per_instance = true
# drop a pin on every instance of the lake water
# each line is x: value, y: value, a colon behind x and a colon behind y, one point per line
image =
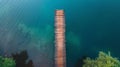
x: 91, y: 26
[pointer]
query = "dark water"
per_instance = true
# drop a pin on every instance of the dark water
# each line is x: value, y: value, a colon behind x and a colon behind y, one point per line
x: 91, y: 26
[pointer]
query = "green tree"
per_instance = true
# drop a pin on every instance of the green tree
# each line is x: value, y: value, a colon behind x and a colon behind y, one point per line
x: 103, y: 60
x: 7, y: 62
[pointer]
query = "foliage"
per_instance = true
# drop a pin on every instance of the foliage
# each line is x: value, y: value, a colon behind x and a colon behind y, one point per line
x: 7, y: 62
x: 103, y: 60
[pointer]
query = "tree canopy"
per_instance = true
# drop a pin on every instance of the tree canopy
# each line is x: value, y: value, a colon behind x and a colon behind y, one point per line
x: 103, y: 60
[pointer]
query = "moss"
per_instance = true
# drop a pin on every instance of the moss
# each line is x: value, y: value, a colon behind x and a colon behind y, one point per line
x: 103, y: 60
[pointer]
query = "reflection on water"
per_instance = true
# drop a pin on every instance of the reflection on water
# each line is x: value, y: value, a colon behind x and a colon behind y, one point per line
x: 21, y: 58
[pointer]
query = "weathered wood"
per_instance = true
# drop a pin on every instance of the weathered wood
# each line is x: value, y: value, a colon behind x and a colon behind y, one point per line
x: 60, y: 51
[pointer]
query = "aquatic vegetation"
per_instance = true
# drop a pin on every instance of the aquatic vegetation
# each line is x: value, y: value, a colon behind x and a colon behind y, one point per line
x: 41, y: 43
x: 7, y: 62
x: 73, y: 38
x: 39, y: 36
x: 103, y: 60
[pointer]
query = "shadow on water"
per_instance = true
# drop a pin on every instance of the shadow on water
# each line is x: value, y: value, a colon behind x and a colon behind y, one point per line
x: 80, y: 62
x: 21, y: 59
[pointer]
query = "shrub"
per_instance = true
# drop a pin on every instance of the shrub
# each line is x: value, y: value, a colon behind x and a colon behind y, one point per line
x: 7, y: 62
x: 103, y: 60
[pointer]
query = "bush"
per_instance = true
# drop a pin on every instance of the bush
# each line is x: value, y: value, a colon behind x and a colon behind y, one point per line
x: 7, y: 62
x: 103, y: 60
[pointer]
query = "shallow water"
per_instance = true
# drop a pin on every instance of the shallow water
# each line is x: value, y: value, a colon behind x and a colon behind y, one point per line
x: 91, y: 26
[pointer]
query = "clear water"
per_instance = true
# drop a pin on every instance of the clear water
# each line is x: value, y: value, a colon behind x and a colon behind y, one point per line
x: 91, y: 26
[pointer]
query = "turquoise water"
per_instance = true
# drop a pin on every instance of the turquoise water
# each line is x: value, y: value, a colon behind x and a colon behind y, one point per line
x: 91, y: 26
